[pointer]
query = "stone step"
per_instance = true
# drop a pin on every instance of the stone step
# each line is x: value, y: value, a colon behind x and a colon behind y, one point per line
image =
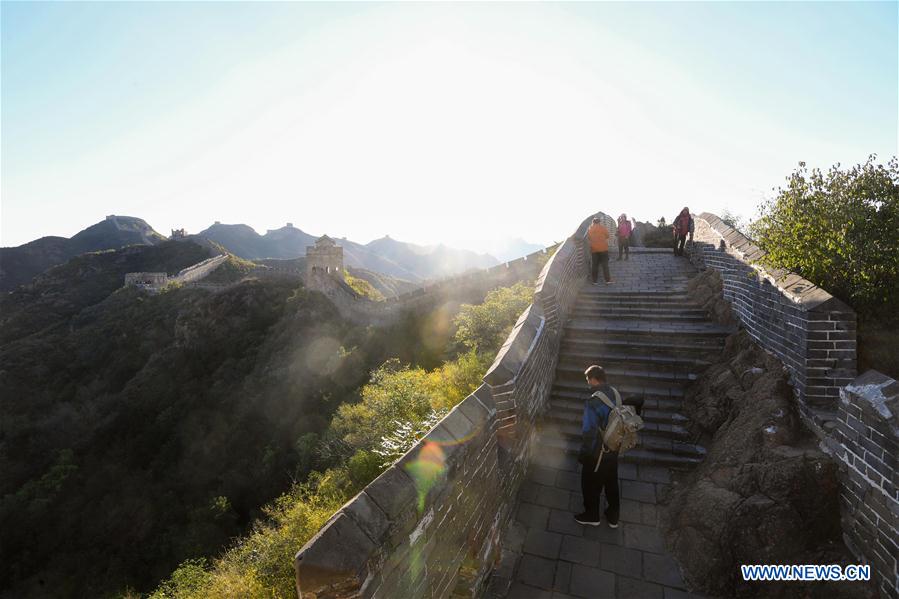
x: 641, y: 314
x: 638, y: 455
x: 668, y: 405
x: 648, y: 302
x: 648, y: 440
x: 641, y: 307
x: 569, y: 425
x: 573, y: 409
x: 577, y: 389
x: 580, y: 328
x: 697, y: 348
x: 630, y: 361
x: 608, y: 291
x: 628, y: 376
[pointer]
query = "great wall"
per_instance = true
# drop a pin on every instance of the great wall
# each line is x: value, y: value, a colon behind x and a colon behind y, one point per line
x: 323, y: 272
x: 472, y: 510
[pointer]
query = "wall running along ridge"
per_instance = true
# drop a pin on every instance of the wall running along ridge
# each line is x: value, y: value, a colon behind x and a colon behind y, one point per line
x: 155, y: 281
x: 430, y: 525
x: 813, y: 334
x: 470, y: 287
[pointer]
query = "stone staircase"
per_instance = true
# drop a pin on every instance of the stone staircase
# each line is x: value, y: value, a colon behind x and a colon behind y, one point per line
x: 653, y: 341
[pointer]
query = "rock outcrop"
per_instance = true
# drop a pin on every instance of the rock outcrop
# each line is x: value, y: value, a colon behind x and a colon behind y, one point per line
x: 765, y: 493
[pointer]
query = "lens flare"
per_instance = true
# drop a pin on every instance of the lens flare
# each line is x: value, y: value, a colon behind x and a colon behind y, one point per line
x: 322, y: 356
x: 426, y: 469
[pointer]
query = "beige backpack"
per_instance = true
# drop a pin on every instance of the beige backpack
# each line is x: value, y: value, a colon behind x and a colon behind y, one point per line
x: 620, y: 433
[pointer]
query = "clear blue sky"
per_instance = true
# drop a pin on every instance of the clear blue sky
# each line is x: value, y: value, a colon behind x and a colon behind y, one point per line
x: 454, y: 123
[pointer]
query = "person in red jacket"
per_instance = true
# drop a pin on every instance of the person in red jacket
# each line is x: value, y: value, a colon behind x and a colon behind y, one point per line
x: 624, y: 237
x: 598, y: 236
x: 683, y: 223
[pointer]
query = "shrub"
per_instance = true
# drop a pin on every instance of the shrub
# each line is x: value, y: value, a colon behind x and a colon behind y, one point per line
x: 363, y: 288
x: 838, y: 229
x: 484, y: 327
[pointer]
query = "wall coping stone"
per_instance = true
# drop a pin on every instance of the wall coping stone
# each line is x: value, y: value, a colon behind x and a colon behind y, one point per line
x: 801, y: 291
x: 878, y: 395
x: 515, y: 351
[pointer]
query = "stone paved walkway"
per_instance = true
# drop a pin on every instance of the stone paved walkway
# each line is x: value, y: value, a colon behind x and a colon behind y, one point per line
x: 651, y: 340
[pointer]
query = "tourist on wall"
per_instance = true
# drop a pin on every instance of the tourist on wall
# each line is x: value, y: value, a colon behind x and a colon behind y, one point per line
x: 683, y: 224
x: 598, y: 235
x: 624, y: 237
x: 599, y: 466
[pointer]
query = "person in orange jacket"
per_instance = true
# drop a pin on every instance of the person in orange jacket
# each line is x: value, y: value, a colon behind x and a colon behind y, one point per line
x: 598, y: 235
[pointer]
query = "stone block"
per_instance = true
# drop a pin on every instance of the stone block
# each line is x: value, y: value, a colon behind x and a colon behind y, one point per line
x: 564, y: 522
x: 368, y: 516
x: 335, y: 556
x: 394, y: 492
x: 537, y: 571
x: 553, y: 498
x: 662, y: 569
x: 543, y: 543
x: 591, y: 582
x: 621, y: 560
x: 630, y: 588
x: 580, y: 551
x: 533, y: 515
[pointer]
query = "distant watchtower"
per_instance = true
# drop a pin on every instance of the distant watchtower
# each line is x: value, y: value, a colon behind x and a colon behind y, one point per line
x: 179, y: 234
x: 325, y: 256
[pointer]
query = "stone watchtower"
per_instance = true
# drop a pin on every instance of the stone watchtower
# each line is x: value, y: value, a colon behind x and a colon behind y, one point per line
x: 324, y: 256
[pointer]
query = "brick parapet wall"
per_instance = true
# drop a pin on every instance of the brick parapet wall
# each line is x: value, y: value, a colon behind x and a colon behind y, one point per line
x: 430, y: 525
x: 199, y: 270
x: 866, y: 445
x: 812, y: 332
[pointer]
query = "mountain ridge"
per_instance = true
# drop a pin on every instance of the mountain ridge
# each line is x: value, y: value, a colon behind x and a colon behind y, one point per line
x: 410, y: 262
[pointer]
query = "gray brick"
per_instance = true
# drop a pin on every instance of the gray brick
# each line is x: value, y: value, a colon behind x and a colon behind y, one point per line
x: 523, y: 591
x: 563, y: 577
x: 630, y: 588
x: 638, y: 491
x: 662, y: 569
x: 580, y: 551
x: 591, y: 582
x: 564, y: 522
x: 537, y: 571
x: 621, y: 560
x: 542, y: 543
x: 533, y: 515
x: 553, y: 497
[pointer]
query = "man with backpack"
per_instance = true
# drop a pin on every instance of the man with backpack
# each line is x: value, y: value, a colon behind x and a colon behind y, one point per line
x: 609, y: 427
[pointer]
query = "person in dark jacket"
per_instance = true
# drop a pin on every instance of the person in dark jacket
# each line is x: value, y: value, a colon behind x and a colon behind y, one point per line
x: 604, y: 479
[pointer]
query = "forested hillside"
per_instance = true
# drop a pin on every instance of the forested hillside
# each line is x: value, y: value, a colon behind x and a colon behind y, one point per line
x: 140, y: 430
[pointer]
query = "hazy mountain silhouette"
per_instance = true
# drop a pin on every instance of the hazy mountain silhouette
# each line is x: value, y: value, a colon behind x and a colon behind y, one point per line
x: 400, y: 260
x: 18, y: 265
x: 387, y: 256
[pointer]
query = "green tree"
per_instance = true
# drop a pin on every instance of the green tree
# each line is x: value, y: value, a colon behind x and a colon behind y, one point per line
x: 396, y: 393
x: 839, y: 229
x: 732, y: 219
x: 484, y: 327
